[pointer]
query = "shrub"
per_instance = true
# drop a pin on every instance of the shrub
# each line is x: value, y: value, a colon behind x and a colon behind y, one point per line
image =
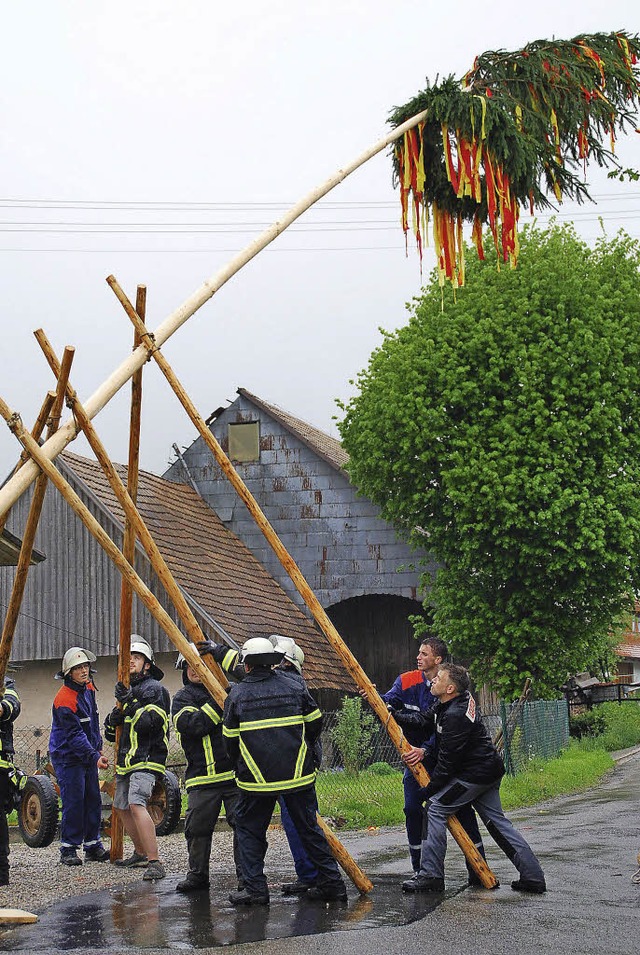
x: 588, y: 723
x: 380, y: 769
x: 353, y: 734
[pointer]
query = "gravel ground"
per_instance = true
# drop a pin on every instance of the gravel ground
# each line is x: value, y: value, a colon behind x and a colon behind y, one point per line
x: 37, y: 879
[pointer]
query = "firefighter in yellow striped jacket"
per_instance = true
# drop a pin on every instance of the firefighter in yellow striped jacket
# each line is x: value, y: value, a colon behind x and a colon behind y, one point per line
x: 210, y: 778
x: 9, y: 710
x: 270, y: 724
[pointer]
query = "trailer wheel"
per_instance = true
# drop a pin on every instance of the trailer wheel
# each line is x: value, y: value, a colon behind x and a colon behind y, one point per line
x: 165, y: 804
x: 38, y: 812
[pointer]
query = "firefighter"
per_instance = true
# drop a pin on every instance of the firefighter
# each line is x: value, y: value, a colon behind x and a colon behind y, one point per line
x: 142, y: 754
x: 306, y: 872
x: 9, y: 712
x: 210, y: 778
x: 75, y: 750
x: 270, y: 724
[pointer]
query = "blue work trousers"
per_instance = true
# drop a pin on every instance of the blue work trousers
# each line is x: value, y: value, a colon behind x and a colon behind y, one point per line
x: 81, y: 806
x: 486, y: 801
x: 305, y: 869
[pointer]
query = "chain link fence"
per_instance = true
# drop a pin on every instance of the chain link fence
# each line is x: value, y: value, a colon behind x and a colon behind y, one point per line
x: 522, y: 732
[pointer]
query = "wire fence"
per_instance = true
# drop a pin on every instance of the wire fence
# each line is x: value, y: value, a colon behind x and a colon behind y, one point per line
x: 522, y: 732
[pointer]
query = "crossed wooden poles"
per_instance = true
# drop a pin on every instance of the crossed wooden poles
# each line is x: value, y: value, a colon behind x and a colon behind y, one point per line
x: 38, y: 466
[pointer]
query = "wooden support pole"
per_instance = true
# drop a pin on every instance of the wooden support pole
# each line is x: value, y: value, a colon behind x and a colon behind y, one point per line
x: 361, y: 881
x: 140, y: 588
x: 33, y: 517
x: 361, y: 679
x: 133, y: 516
x: 19, y: 483
x: 36, y: 434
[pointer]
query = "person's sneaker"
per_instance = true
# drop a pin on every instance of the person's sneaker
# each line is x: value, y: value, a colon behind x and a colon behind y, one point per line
x: 526, y: 885
x: 96, y: 854
x: 192, y: 885
x: 155, y: 871
x: 70, y: 858
x: 244, y: 897
x: 328, y: 893
x: 423, y: 883
x: 299, y: 887
x: 135, y: 861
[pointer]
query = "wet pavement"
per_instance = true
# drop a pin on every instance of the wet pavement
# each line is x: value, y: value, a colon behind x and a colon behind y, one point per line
x: 587, y: 845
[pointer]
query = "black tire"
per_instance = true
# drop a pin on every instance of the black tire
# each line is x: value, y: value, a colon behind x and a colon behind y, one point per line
x: 165, y: 804
x: 38, y: 812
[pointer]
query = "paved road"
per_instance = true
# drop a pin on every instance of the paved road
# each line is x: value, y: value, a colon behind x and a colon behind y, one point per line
x: 587, y: 845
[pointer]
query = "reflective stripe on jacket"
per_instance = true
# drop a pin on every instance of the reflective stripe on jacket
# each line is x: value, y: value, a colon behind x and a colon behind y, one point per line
x: 270, y: 724
x: 144, y: 742
x: 197, y: 720
x: 8, y: 715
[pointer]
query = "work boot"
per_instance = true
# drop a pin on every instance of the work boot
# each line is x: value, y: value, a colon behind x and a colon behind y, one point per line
x: 4, y: 878
x: 245, y: 897
x: 70, y: 858
x: 526, y: 885
x: 333, y: 892
x: 155, y: 871
x: 423, y: 883
x: 299, y: 887
x: 96, y: 854
x: 135, y: 861
x: 192, y: 883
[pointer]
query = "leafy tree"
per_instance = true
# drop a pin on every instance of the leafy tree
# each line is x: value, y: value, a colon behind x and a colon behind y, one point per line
x: 499, y: 429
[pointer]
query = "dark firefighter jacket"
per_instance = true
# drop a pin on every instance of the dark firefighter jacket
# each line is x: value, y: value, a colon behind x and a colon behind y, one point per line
x: 270, y: 725
x: 463, y: 746
x: 9, y: 712
x: 75, y: 726
x: 197, y: 720
x: 145, y: 728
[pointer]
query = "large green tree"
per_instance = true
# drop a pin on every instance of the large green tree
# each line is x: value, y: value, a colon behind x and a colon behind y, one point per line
x: 500, y: 430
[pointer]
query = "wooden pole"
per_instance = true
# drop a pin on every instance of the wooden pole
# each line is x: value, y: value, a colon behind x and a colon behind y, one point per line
x: 351, y: 664
x: 33, y: 517
x: 342, y: 857
x: 140, y: 588
x: 133, y: 516
x: 19, y: 483
x: 36, y: 434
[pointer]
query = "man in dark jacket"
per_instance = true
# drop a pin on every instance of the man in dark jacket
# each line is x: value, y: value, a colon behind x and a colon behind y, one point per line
x: 210, y: 777
x: 468, y: 769
x: 271, y: 723
x: 9, y: 712
x: 142, y: 754
x: 75, y: 750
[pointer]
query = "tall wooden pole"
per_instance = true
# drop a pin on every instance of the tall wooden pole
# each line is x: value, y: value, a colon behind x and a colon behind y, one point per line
x: 33, y: 517
x: 361, y: 679
x: 36, y: 433
x: 19, y: 483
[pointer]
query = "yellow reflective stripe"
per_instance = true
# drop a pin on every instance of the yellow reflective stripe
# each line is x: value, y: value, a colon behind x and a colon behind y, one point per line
x: 211, y: 713
x: 133, y: 739
x: 269, y: 724
x: 136, y: 767
x: 229, y: 660
x: 229, y: 731
x: 300, y: 760
x: 207, y: 780
x: 133, y: 736
x: 185, y: 709
x: 208, y: 755
x: 279, y: 786
x: 4, y: 764
x: 314, y: 715
x: 250, y: 763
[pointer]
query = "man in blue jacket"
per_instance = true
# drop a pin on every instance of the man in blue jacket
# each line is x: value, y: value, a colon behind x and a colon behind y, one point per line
x: 75, y: 750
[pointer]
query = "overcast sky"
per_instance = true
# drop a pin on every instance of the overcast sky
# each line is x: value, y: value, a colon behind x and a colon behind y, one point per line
x: 154, y: 140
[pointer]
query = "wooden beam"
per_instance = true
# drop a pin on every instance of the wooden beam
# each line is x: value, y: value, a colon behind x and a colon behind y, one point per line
x: 36, y: 434
x: 19, y: 483
x: 352, y: 666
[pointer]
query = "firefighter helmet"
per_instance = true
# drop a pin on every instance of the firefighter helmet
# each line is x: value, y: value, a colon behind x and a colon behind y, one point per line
x: 292, y: 652
x: 259, y: 651
x: 74, y: 657
x: 139, y: 645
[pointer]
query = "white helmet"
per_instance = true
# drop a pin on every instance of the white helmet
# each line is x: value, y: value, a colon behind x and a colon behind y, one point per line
x: 292, y: 652
x: 74, y: 657
x: 140, y: 645
x: 259, y: 651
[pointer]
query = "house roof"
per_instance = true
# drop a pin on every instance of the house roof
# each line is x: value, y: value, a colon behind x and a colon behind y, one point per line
x: 10, y: 550
x: 215, y: 568
x: 321, y: 443
x: 630, y: 648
